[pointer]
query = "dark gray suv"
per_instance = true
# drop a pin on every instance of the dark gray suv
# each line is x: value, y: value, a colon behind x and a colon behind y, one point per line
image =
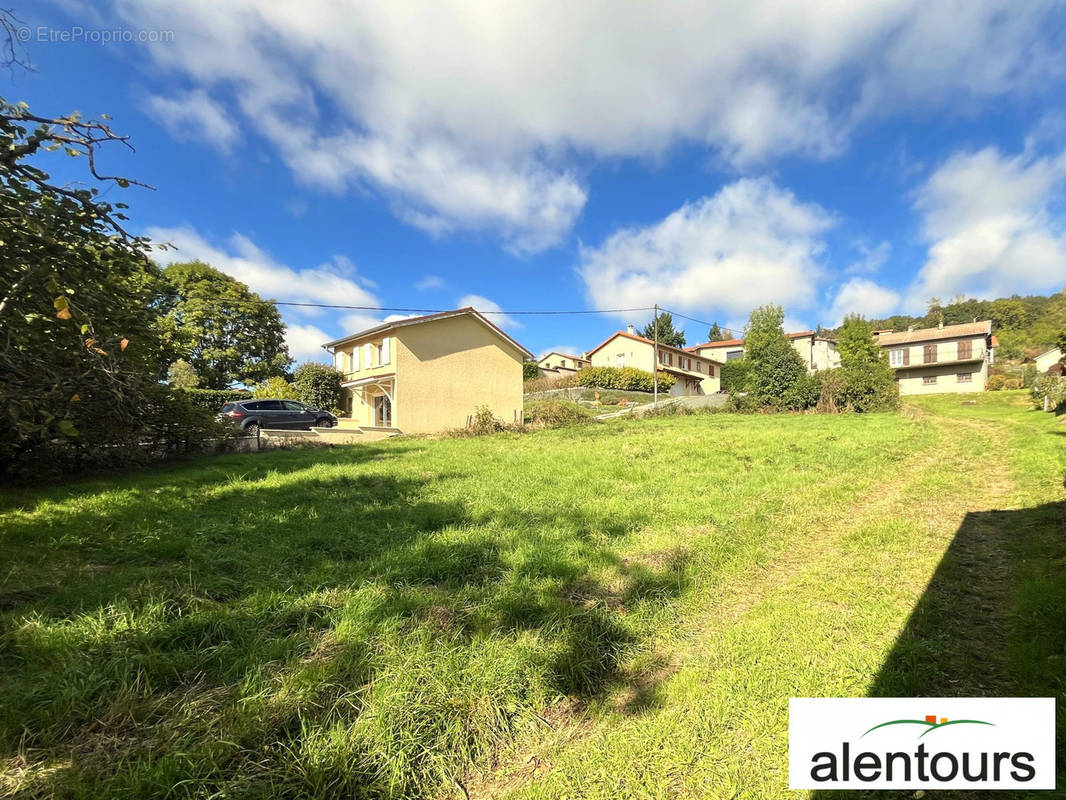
x: 252, y: 415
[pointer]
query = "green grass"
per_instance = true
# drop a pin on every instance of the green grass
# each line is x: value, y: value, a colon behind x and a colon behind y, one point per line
x: 608, y: 610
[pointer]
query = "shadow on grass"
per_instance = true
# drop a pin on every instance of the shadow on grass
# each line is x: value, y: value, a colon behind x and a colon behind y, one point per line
x: 145, y: 642
x: 991, y: 623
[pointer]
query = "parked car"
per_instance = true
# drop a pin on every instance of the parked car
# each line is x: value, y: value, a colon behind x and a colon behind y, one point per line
x: 253, y: 415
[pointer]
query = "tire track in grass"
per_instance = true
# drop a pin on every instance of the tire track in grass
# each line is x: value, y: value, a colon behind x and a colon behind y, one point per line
x: 819, y: 620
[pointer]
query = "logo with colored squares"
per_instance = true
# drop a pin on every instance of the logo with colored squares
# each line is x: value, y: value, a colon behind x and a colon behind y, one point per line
x: 930, y: 723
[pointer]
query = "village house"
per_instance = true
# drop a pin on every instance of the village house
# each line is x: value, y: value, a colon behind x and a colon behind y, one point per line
x: 555, y: 364
x: 948, y: 358
x: 818, y: 352
x: 693, y: 373
x: 428, y: 374
x: 1046, y: 361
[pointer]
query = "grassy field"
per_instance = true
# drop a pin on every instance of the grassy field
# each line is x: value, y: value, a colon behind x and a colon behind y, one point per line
x: 616, y: 610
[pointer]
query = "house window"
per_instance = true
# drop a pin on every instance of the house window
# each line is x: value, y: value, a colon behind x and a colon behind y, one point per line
x: 733, y: 355
x: 699, y: 366
x: 710, y: 370
x: 895, y: 358
x: 929, y: 354
x: 929, y: 380
x: 368, y: 349
x: 964, y: 377
x: 965, y: 349
x: 383, y: 351
x: 621, y: 359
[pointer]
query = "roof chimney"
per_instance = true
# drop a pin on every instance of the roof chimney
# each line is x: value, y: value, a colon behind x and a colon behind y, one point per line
x: 629, y: 329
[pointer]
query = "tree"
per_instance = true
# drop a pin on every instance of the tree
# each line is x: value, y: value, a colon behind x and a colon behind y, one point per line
x: 318, y: 385
x: 182, y: 375
x: 82, y: 340
x: 530, y: 370
x: 775, y: 369
x: 667, y: 334
x: 869, y: 383
x: 276, y: 387
x: 716, y: 334
x: 226, y: 331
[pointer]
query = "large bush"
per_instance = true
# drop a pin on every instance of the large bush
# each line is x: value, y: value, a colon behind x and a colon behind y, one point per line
x: 774, y: 365
x: 530, y: 371
x: 735, y: 374
x: 869, y: 383
x: 629, y: 379
x: 214, y: 399
x: 1053, y: 387
x: 85, y: 335
x: 318, y: 385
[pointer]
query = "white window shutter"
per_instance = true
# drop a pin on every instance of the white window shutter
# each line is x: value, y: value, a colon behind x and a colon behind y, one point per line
x: 367, y: 350
x: 385, y: 350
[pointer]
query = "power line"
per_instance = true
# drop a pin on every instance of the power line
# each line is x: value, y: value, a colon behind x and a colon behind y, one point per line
x: 701, y: 321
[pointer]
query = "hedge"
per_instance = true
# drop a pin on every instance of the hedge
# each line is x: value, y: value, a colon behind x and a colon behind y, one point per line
x: 629, y: 379
x: 214, y: 399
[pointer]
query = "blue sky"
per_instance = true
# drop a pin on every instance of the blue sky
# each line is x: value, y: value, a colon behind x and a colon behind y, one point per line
x: 829, y: 156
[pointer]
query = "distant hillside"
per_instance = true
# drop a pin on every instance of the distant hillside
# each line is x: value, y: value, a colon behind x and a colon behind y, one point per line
x: 1025, y: 326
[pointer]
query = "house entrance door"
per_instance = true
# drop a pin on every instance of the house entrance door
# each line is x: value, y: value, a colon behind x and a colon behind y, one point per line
x: 382, y: 411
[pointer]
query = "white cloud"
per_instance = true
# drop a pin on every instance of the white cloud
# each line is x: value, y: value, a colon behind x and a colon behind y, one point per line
x: 469, y: 115
x: 194, y: 116
x: 863, y: 296
x: 751, y: 243
x: 988, y: 219
x: 870, y: 259
x: 483, y: 304
x: 430, y: 282
x: 241, y: 258
x: 305, y: 342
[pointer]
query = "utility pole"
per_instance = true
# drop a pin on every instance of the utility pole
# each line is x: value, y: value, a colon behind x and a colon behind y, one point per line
x: 655, y: 357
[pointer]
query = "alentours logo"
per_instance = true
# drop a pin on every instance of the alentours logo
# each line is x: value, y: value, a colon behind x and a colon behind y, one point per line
x: 921, y: 743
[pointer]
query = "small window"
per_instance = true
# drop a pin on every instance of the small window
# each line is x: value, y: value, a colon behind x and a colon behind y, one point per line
x: 895, y: 358
x: 271, y: 405
x: 710, y: 370
x: 733, y: 355
x: 699, y: 366
x: 253, y: 406
x: 965, y: 349
x: 228, y: 408
x: 929, y: 380
x: 929, y: 354
x: 964, y: 377
x: 292, y: 405
x: 620, y: 359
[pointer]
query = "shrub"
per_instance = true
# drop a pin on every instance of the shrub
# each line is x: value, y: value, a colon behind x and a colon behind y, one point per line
x: 803, y: 394
x: 182, y: 375
x: 831, y: 383
x: 628, y: 379
x: 530, y: 371
x: 869, y: 383
x: 318, y: 385
x: 274, y: 387
x: 1012, y: 383
x: 555, y: 413
x: 1051, y: 386
x: 775, y: 366
x: 544, y: 384
x: 213, y: 399
x: 1029, y: 374
x: 735, y: 374
x: 995, y: 383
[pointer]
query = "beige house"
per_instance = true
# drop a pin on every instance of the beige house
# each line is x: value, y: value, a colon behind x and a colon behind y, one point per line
x: 1046, y: 361
x: 693, y: 373
x: 556, y: 364
x: 428, y: 374
x: 949, y: 358
x: 817, y: 352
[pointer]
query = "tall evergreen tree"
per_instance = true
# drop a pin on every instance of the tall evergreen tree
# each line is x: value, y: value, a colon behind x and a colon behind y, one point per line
x: 667, y: 334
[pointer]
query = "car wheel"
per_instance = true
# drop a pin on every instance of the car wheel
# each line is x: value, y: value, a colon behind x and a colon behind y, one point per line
x: 324, y: 423
x: 252, y: 429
